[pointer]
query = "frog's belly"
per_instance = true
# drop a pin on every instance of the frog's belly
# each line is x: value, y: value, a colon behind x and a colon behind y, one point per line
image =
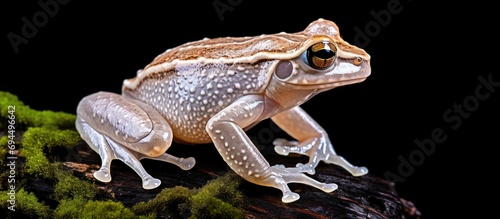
x: 188, y: 127
x: 188, y: 119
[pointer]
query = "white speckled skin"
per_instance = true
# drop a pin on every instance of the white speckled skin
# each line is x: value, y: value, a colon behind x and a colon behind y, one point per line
x: 212, y: 90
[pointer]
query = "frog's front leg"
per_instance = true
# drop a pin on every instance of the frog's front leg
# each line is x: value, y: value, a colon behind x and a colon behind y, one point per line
x: 312, y: 140
x: 127, y: 130
x: 225, y: 129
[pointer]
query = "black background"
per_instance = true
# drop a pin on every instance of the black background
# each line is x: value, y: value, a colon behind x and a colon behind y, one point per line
x: 425, y: 59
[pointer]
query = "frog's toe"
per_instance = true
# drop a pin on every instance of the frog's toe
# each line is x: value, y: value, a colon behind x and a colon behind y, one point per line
x: 360, y: 171
x: 281, y: 150
x: 151, y: 183
x: 290, y: 197
x: 330, y: 187
x: 284, y: 147
x: 102, y: 175
x: 187, y: 163
x: 306, y: 168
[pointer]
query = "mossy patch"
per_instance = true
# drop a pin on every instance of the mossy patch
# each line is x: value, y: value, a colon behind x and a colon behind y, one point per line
x: 38, y: 139
x: 219, y: 198
x: 27, y: 117
x: 171, y: 202
x: 80, y: 208
x: 41, y: 132
x: 69, y: 186
x: 26, y: 204
x: 3, y: 147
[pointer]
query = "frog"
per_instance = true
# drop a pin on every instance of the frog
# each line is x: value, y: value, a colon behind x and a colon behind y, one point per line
x: 213, y: 90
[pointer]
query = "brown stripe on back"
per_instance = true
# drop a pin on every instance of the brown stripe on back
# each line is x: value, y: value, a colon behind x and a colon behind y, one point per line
x: 232, y: 47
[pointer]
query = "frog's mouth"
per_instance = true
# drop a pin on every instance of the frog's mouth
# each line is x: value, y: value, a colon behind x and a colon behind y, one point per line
x: 343, y: 74
x: 335, y: 84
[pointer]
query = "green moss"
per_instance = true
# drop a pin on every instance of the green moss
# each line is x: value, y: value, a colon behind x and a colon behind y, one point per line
x: 224, y: 188
x: 35, y: 140
x: 70, y: 208
x: 219, y: 198
x: 80, y: 208
x: 173, y: 202
x: 43, y: 131
x: 69, y: 186
x: 106, y: 209
x: 211, y: 207
x: 3, y: 147
x: 26, y: 204
x: 34, y: 118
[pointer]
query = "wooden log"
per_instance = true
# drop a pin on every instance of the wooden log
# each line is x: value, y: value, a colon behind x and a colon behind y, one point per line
x: 356, y: 197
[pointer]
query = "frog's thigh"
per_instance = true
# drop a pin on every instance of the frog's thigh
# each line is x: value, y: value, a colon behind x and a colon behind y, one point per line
x: 118, y: 128
x: 225, y: 129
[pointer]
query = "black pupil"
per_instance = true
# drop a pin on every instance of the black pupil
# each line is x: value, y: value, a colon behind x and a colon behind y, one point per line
x: 324, y: 53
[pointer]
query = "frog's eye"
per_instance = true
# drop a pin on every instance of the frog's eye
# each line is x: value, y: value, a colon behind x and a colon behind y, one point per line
x: 320, y: 55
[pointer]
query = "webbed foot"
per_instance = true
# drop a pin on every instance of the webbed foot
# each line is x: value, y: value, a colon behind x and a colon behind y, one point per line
x: 317, y: 149
x: 279, y: 177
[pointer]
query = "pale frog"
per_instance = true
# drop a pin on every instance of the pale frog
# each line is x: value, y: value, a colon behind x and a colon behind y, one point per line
x: 213, y: 90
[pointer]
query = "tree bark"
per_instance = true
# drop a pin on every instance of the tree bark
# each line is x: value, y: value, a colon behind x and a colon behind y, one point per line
x: 356, y: 197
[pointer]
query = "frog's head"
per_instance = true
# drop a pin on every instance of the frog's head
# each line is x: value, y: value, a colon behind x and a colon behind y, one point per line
x: 323, y: 60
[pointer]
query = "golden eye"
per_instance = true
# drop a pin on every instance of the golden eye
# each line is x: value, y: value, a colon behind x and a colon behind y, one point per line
x: 321, y: 55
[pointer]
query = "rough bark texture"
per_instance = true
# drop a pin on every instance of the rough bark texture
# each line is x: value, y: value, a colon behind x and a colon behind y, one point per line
x: 357, y: 197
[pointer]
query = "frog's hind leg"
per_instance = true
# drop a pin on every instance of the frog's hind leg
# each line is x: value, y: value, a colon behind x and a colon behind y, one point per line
x: 109, y: 150
x: 127, y: 130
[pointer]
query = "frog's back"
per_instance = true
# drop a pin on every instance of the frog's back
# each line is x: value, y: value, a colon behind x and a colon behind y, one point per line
x: 190, y: 83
